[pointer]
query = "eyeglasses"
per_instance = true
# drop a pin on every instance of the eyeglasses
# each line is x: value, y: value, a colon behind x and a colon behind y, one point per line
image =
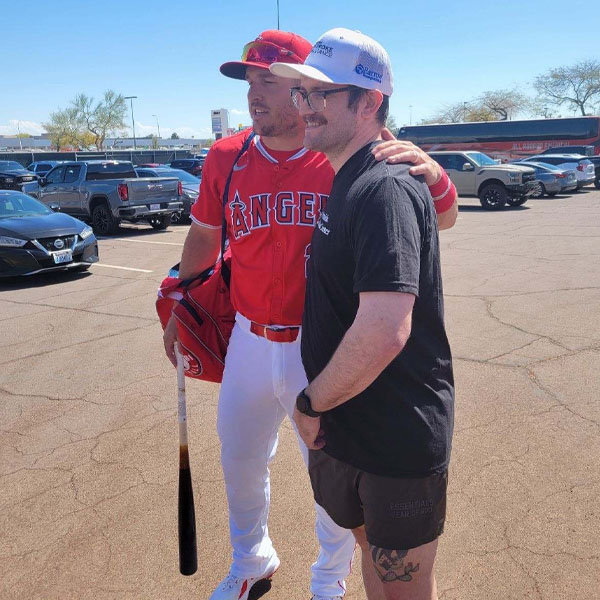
x: 266, y: 52
x: 316, y: 100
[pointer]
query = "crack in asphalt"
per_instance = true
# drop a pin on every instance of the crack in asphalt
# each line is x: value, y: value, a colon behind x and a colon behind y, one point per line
x: 83, y: 342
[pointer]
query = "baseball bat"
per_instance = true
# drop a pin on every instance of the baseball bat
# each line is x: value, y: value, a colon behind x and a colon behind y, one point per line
x: 188, y: 555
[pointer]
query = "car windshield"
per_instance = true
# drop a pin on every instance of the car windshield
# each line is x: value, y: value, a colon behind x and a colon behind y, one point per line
x: 545, y: 165
x: 481, y: 159
x: 20, y: 205
x: 11, y: 164
x: 185, y: 176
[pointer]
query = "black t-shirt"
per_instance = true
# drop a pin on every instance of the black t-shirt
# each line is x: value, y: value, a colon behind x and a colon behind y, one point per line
x: 378, y: 232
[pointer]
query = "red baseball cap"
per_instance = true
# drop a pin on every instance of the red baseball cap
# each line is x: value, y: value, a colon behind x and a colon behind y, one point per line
x: 269, y: 47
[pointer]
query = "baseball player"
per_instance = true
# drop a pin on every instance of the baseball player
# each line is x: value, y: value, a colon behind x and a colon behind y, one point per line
x: 277, y: 191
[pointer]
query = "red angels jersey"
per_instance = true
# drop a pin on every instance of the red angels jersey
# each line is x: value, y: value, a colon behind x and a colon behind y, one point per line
x: 274, y: 203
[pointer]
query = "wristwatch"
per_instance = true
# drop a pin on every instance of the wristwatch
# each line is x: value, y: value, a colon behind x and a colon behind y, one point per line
x: 303, y: 405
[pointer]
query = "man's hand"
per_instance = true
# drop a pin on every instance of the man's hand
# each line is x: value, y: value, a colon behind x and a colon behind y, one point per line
x: 396, y: 151
x: 169, y: 339
x: 310, y: 430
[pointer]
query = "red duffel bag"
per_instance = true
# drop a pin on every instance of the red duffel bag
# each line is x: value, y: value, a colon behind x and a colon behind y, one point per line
x: 202, y: 308
x: 204, y: 316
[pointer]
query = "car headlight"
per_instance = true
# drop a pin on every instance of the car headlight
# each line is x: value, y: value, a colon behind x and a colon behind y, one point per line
x: 8, y: 180
x: 86, y: 232
x: 11, y: 242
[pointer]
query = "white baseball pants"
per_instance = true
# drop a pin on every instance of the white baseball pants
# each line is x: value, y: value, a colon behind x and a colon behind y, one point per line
x: 260, y: 384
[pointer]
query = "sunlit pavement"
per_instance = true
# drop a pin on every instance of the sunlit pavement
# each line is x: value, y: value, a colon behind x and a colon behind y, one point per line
x: 88, y: 476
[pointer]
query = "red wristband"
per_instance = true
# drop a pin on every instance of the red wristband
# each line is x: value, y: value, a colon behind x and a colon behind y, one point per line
x: 439, y: 189
x: 443, y: 193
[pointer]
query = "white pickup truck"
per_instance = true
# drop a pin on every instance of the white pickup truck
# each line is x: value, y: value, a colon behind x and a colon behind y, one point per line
x: 476, y: 174
x: 105, y: 192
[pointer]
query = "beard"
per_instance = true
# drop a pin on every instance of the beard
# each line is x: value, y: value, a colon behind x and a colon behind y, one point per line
x: 329, y: 139
x: 283, y: 123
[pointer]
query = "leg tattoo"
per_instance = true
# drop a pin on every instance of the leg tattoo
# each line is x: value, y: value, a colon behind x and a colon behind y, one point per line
x: 389, y: 564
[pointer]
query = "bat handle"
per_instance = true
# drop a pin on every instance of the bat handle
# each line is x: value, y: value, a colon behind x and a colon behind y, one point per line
x: 181, y: 398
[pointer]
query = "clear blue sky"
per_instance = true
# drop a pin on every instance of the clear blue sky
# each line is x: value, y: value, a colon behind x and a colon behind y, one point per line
x: 168, y: 52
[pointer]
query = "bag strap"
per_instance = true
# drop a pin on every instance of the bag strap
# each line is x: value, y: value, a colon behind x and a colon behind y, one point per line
x: 225, y: 271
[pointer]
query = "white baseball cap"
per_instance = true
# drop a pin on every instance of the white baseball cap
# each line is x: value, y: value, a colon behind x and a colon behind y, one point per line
x: 346, y: 57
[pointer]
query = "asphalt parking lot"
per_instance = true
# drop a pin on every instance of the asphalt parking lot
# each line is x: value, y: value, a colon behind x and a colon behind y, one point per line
x: 88, y: 434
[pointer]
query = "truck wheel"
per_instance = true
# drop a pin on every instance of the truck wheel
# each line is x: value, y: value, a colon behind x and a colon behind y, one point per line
x: 160, y: 222
x: 493, y: 196
x: 517, y: 201
x: 103, y: 221
x: 597, y: 183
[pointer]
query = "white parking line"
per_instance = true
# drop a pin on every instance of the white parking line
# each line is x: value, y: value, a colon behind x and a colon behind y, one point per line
x: 124, y: 268
x: 139, y: 241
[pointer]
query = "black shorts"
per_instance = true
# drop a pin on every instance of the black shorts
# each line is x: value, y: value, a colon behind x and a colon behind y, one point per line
x: 398, y: 513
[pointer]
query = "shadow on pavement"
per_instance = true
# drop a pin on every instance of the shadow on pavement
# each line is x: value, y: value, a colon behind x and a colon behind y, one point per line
x: 480, y: 209
x: 41, y: 279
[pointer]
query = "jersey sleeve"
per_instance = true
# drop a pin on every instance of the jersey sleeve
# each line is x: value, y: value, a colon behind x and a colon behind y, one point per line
x: 207, y: 211
x: 386, y: 238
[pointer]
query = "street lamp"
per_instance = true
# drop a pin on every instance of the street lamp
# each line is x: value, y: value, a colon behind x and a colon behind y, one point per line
x: 20, y: 139
x: 410, y: 114
x: 157, y: 126
x: 131, y: 99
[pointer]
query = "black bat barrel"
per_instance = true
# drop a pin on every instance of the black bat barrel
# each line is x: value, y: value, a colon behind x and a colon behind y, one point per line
x: 188, y: 556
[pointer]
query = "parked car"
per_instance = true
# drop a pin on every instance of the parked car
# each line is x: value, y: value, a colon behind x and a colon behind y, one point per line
x: 202, y: 154
x: 595, y: 160
x: 476, y: 174
x: 552, y: 180
x: 190, y: 188
x: 43, y: 166
x: 581, y: 164
x: 583, y: 150
x: 13, y: 175
x: 191, y: 165
x: 34, y: 238
x: 106, y: 192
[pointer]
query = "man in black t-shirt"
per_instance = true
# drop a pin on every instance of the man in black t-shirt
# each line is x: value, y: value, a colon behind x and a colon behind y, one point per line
x: 378, y: 412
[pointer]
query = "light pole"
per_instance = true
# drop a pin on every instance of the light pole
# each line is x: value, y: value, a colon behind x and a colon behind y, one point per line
x: 410, y: 114
x: 157, y: 126
x: 19, y: 130
x: 277, y: 14
x: 131, y: 99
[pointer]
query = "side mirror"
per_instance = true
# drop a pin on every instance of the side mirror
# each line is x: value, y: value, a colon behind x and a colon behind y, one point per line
x: 54, y: 206
x: 467, y: 167
x: 42, y: 181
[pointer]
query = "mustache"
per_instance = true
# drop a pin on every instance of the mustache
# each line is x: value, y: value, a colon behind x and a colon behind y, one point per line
x: 315, y: 118
x: 256, y: 105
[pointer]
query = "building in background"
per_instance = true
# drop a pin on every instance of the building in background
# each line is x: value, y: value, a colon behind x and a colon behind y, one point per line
x: 220, y: 123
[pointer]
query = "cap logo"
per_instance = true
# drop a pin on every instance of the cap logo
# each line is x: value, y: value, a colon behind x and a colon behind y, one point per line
x: 368, y: 73
x: 320, y: 48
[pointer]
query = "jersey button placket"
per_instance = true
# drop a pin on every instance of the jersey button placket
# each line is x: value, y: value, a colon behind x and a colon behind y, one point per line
x: 277, y: 281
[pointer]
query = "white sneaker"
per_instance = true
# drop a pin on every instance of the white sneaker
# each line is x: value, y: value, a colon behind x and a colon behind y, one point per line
x: 327, y: 598
x: 237, y: 588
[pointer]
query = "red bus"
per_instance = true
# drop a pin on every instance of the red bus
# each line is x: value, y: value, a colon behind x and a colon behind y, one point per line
x: 507, y: 139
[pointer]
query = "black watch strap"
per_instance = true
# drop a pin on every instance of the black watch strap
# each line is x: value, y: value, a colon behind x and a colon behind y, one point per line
x: 304, y: 406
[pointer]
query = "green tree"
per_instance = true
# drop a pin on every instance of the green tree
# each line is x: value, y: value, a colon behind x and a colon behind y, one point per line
x: 174, y: 136
x: 63, y: 128
x: 102, y: 118
x: 578, y: 86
